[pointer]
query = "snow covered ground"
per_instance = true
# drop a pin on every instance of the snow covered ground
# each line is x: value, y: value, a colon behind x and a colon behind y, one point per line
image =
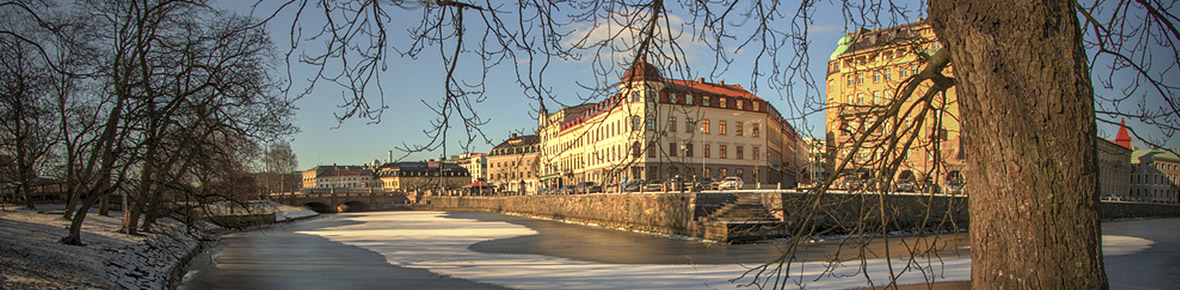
x: 32, y: 258
x: 429, y: 241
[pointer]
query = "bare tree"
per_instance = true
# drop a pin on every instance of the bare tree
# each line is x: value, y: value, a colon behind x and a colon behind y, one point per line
x: 279, y: 162
x: 26, y: 121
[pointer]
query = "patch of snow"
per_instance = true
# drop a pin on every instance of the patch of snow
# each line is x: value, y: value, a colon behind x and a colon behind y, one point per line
x: 31, y: 256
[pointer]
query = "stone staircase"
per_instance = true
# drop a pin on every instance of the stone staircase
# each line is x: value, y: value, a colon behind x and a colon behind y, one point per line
x: 741, y: 208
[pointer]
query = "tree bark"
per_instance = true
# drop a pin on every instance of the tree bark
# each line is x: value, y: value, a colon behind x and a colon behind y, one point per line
x: 1026, y: 102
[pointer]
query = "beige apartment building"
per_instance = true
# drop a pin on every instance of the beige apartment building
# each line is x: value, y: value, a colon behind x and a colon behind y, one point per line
x: 1114, y: 168
x: 513, y: 164
x: 337, y: 176
x: 865, y: 74
x: 656, y: 128
x: 1155, y: 176
x: 475, y: 163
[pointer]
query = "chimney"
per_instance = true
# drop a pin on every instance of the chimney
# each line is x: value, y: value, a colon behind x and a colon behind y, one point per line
x: 701, y: 80
x: 512, y: 136
x: 390, y: 156
x: 723, y: 83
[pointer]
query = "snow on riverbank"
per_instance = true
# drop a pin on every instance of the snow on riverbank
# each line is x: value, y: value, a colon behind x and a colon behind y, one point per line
x: 428, y: 240
x: 32, y: 258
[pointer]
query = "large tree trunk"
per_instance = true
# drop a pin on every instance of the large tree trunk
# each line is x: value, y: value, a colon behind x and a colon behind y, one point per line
x: 1028, y: 124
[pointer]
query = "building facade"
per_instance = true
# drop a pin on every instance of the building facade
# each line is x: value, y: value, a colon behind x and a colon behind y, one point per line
x: 419, y: 176
x: 1114, y: 168
x: 338, y: 176
x: 1155, y: 176
x: 475, y: 163
x: 865, y: 74
x: 513, y: 165
x: 657, y: 129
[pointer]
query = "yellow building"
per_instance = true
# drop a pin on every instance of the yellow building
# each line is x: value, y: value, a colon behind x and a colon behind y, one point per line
x: 1155, y: 176
x: 864, y: 76
x: 337, y: 176
x: 656, y: 129
x: 1114, y: 168
x: 512, y: 165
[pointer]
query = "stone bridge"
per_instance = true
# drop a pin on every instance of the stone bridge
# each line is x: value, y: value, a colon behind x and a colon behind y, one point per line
x: 343, y: 200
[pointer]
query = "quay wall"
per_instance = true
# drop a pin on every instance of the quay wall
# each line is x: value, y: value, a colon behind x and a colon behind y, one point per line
x: 682, y: 213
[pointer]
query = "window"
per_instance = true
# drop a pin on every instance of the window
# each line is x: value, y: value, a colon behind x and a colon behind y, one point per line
x: 740, y: 152
x: 755, y: 155
x: 850, y: 99
x: 888, y: 74
x: 721, y: 151
x: 689, y: 124
x: 860, y: 78
x: 721, y: 127
x: 635, y: 149
x: 672, y: 149
x: 705, y: 126
x: 705, y: 101
x: 688, y: 99
x: 738, y: 132
x: 722, y: 101
x: 741, y: 105
x: 860, y: 98
x: 914, y: 70
x: 672, y: 99
x: 849, y: 79
x: 755, y: 105
x: 902, y: 72
x: 888, y: 94
x: 635, y: 123
x: 651, y: 123
x: 877, y: 97
x: 741, y: 173
x: 671, y: 124
x: 707, y: 171
x: 707, y: 151
x: 651, y: 149
x: 754, y: 129
x: 688, y: 150
x: 876, y: 77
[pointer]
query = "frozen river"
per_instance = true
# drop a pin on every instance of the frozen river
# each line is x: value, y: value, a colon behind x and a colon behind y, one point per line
x: 467, y: 250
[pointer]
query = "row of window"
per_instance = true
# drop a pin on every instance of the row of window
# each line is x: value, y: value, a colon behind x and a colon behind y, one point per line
x: 707, y: 101
x: 880, y: 97
x: 879, y: 75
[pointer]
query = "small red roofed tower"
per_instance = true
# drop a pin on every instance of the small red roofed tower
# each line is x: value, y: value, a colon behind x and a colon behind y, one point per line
x: 1122, y: 138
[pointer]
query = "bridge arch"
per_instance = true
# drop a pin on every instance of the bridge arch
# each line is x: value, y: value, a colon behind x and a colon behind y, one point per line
x: 319, y: 207
x: 352, y: 206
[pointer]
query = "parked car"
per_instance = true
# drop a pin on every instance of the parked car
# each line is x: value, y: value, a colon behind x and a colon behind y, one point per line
x: 654, y: 185
x: 587, y: 187
x: 706, y: 183
x: 905, y: 185
x: 732, y: 182
x: 568, y: 189
x: 634, y: 185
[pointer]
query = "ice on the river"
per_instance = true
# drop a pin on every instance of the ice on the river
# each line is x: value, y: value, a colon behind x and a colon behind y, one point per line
x: 428, y: 240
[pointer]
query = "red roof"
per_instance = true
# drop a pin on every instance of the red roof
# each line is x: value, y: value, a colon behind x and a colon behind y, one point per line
x: 641, y: 71
x: 1122, y: 138
x: 703, y: 88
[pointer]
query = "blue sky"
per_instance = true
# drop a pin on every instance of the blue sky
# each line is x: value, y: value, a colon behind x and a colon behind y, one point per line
x: 408, y: 82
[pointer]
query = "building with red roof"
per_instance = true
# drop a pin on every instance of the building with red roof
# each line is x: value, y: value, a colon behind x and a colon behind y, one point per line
x: 657, y: 128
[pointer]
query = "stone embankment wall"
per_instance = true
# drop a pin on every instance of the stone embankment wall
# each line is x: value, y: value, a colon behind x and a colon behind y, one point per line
x: 671, y: 213
x: 681, y: 213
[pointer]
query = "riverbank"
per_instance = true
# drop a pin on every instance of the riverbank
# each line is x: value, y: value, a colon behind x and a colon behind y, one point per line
x: 31, y: 256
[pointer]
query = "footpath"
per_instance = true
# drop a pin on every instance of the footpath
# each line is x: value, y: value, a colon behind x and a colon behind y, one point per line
x: 31, y: 256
